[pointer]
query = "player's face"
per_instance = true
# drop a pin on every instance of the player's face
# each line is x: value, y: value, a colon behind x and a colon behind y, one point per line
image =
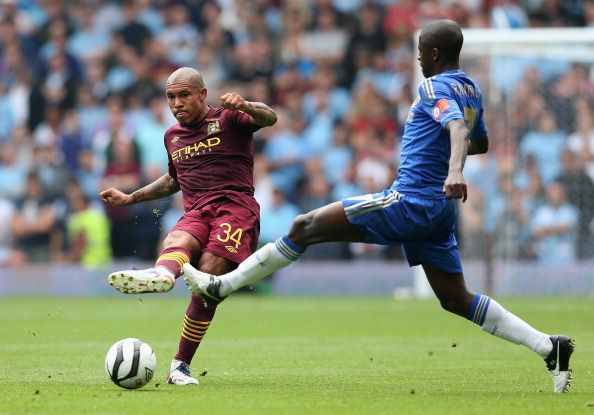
x: 425, y: 59
x: 187, y: 102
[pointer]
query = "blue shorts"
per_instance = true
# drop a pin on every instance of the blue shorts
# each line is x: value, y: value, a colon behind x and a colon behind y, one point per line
x: 424, y: 227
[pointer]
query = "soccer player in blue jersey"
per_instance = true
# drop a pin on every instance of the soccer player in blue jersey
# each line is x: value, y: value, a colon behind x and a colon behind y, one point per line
x: 419, y: 210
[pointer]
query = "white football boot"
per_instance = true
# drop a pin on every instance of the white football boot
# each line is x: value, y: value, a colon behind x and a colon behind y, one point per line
x: 558, y: 362
x: 151, y: 280
x: 203, y: 284
x: 180, y: 374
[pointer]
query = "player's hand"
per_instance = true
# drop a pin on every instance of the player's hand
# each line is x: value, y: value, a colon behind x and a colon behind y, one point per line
x: 115, y: 197
x: 455, y: 186
x: 234, y: 101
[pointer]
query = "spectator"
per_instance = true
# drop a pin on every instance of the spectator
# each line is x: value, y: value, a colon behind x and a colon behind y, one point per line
x: 338, y: 156
x: 251, y: 60
x: 545, y: 144
x: 91, y: 113
x: 114, y: 125
x: 7, y: 119
x: 327, y: 40
x: 579, y: 190
x: 511, y: 222
x: 367, y: 39
x: 132, y: 33
x: 9, y: 255
x: 51, y: 170
x: 96, y: 86
x: 87, y: 230
x: 124, y: 172
x: 179, y: 36
x: 369, y: 115
x: 285, y: 153
x: 507, y: 14
x: 581, y: 140
x: 402, y: 16
x: 326, y: 95
x: 275, y: 217
x: 557, y: 13
x: 88, y: 175
x: 555, y: 228
x: 209, y: 63
x: 35, y: 224
x: 263, y: 184
x: 387, y: 82
x: 53, y: 11
x: 149, y: 137
x: 12, y: 173
x: 89, y: 40
x: 70, y: 140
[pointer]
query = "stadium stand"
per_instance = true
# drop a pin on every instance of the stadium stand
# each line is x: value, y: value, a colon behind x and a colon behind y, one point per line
x: 81, y: 99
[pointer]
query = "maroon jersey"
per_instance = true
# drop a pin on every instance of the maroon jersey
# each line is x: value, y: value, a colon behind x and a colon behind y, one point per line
x: 214, y: 159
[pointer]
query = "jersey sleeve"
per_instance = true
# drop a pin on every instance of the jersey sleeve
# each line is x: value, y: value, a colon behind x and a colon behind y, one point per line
x: 479, y: 130
x: 171, y: 168
x: 170, y: 165
x: 243, y: 121
x: 437, y: 101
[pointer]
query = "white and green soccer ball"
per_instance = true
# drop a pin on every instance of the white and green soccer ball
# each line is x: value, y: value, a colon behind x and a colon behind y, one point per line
x: 130, y: 363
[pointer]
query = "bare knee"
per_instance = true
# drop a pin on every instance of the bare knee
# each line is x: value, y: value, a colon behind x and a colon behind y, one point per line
x: 459, y: 304
x: 215, y: 265
x: 181, y: 239
x: 301, y: 229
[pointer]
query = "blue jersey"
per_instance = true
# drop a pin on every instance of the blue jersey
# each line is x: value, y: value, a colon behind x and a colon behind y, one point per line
x: 425, y: 152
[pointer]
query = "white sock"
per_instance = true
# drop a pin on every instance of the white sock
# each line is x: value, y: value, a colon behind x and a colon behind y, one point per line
x: 266, y: 260
x: 501, y: 323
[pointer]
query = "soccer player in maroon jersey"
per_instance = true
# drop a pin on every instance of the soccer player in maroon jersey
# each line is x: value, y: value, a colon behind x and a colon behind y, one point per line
x: 211, y: 158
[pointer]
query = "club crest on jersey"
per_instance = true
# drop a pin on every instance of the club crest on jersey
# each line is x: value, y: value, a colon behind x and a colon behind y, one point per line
x: 213, y: 127
x: 439, y: 108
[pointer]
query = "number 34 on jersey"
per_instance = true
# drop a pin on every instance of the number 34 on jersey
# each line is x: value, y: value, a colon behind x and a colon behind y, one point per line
x: 229, y: 234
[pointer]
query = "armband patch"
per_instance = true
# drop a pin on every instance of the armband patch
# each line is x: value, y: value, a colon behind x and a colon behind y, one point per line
x: 440, y: 107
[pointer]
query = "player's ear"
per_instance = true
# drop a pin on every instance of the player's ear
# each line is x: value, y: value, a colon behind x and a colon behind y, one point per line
x: 203, y: 94
x: 435, y: 54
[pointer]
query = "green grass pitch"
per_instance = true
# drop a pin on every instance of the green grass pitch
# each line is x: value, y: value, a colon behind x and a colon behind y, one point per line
x: 286, y: 355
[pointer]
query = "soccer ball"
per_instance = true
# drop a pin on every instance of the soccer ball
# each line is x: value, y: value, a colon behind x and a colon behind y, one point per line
x: 130, y: 363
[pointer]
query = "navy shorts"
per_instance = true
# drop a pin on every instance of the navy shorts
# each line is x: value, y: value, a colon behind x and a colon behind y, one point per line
x: 424, y: 227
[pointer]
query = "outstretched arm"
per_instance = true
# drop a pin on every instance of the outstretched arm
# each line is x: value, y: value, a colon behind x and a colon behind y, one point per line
x: 262, y: 115
x: 455, y: 186
x: 163, y: 186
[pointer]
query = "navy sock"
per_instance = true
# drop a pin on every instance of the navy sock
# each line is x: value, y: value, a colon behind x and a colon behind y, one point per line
x: 289, y: 248
x: 478, y: 309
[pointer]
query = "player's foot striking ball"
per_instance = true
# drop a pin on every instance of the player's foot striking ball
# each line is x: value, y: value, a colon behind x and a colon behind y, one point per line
x: 208, y: 286
x: 149, y: 280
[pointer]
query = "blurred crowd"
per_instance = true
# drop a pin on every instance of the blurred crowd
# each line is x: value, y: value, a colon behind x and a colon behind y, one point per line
x: 82, y: 108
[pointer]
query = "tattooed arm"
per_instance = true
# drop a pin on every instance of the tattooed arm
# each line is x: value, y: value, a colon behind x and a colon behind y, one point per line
x: 261, y: 114
x: 163, y: 186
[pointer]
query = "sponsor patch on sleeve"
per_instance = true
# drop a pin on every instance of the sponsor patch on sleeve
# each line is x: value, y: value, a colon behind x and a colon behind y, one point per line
x: 440, y: 107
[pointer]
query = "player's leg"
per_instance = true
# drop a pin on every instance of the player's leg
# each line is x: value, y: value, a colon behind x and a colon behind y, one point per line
x: 326, y: 224
x: 453, y: 295
x: 177, y: 249
x: 197, y: 319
